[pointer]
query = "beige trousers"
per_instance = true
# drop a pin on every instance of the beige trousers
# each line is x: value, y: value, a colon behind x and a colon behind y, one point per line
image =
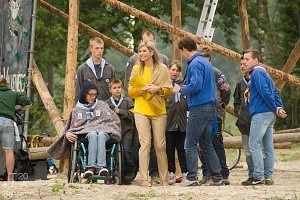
x: 158, y: 124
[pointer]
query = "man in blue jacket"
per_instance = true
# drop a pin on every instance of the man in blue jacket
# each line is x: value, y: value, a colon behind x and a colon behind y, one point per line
x: 264, y: 105
x: 200, y: 90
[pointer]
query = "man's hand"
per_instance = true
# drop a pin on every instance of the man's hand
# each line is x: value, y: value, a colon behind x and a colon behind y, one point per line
x: 281, y: 113
x: 176, y: 88
x: 71, y: 137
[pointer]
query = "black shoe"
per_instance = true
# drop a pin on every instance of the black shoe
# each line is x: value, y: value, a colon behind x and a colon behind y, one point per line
x: 269, y: 181
x: 247, y: 182
x: 256, y: 181
x: 216, y: 183
x: 204, y: 180
x: 226, y: 181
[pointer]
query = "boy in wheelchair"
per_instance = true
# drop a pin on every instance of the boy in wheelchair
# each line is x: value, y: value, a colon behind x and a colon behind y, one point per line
x: 93, y: 118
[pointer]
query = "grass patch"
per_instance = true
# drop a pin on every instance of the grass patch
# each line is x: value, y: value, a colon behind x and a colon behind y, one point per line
x: 292, y: 154
x: 148, y: 195
x: 57, y: 187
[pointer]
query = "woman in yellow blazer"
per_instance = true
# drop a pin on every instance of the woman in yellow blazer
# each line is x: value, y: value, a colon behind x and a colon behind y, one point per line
x: 150, y: 85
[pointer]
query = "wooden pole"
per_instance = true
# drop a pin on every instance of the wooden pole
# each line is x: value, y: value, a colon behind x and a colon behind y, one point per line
x: 47, y: 99
x: 176, y: 21
x: 277, y: 74
x: 90, y: 31
x: 231, y: 142
x: 71, y: 63
x: 281, y: 145
x: 290, y: 64
x: 244, y: 23
x: 296, y: 130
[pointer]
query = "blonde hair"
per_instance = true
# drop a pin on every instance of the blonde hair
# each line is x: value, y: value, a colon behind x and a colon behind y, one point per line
x: 96, y: 40
x: 151, y: 47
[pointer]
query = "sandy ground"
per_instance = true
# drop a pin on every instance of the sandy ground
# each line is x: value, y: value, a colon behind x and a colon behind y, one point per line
x: 286, y: 177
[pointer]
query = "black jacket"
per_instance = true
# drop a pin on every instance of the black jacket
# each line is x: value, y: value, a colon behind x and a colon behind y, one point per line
x: 176, y: 112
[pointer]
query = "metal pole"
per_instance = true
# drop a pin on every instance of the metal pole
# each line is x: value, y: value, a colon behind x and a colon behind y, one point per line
x: 28, y: 88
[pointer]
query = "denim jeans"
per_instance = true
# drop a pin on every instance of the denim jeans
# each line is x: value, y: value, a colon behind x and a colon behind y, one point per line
x: 249, y: 161
x: 199, y: 128
x: 261, y: 144
x: 97, y: 150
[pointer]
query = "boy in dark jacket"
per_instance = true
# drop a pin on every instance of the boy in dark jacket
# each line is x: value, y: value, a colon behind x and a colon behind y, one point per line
x: 176, y: 125
x: 122, y: 105
x: 244, y: 119
x: 8, y: 102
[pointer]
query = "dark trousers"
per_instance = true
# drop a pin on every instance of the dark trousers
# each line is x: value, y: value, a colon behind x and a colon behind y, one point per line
x: 128, y: 166
x: 175, y: 139
x: 218, y: 145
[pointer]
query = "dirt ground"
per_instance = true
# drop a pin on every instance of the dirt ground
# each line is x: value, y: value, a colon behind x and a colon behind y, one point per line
x: 286, y: 177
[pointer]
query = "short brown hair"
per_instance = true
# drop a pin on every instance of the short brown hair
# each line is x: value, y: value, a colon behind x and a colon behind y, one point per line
x: 115, y: 81
x: 97, y: 40
x: 254, y: 54
x: 148, y: 33
x: 3, y: 81
x: 187, y: 43
x: 205, y: 50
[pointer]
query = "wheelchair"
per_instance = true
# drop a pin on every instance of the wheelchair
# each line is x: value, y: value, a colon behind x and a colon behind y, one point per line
x: 79, y: 158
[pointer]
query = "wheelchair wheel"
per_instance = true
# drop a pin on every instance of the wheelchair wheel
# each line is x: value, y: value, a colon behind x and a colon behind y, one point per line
x: 74, y: 171
x: 232, y: 155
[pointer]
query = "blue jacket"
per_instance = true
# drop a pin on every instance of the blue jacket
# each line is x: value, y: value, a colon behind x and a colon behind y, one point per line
x: 200, y: 83
x: 263, y: 96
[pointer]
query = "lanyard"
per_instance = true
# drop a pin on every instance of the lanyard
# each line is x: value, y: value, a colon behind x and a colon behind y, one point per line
x: 114, y: 103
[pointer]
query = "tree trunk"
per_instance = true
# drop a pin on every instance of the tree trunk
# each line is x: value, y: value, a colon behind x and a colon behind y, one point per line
x: 290, y: 64
x: 277, y: 74
x: 47, y: 99
x: 232, y: 142
x: 176, y: 21
x: 244, y: 23
x: 71, y: 63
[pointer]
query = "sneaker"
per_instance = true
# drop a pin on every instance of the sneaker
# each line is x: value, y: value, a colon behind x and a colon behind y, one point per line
x: 187, y: 183
x: 216, y: 183
x: 155, y: 180
x: 247, y: 182
x: 103, y: 172
x: 256, y: 181
x: 226, y: 181
x: 269, y: 181
x: 172, y: 178
x: 180, y: 178
x: 204, y: 180
x: 89, y: 172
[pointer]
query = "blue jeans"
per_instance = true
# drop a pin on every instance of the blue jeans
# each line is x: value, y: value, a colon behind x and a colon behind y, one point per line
x: 199, y: 130
x: 261, y: 144
x: 97, y: 150
x: 249, y: 161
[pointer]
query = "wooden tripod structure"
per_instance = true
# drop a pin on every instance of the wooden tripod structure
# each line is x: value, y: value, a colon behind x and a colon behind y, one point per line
x: 281, y: 76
